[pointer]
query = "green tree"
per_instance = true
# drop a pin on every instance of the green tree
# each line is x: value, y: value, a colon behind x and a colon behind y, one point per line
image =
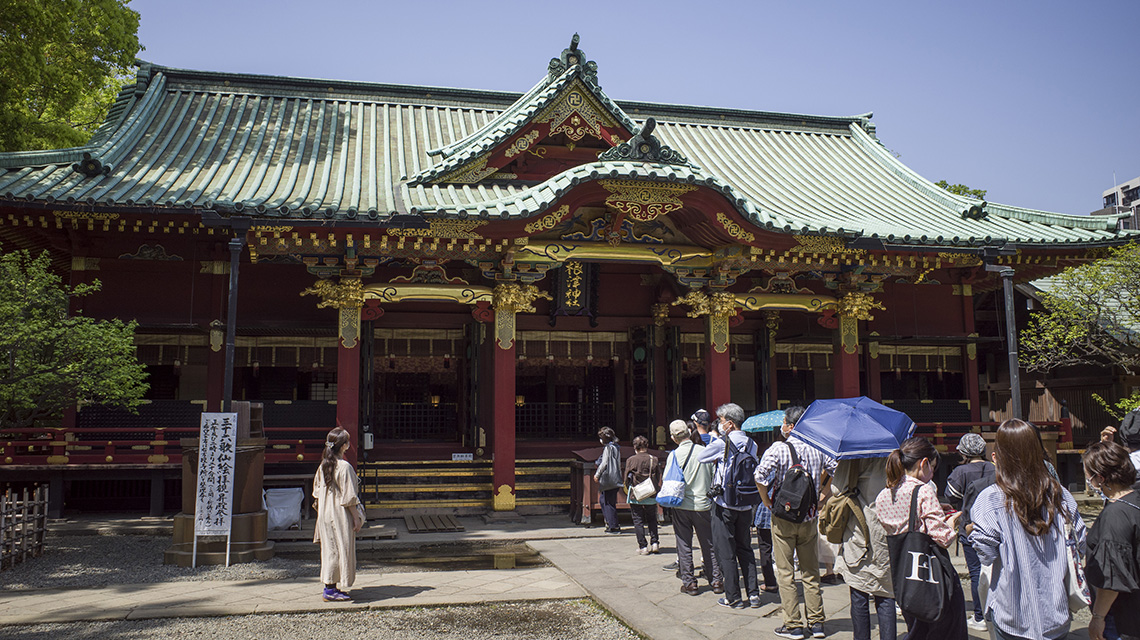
x: 49, y: 360
x: 1091, y: 316
x: 61, y: 64
x: 961, y: 190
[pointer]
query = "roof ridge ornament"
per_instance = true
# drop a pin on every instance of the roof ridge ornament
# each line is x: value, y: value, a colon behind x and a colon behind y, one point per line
x: 571, y: 56
x: 645, y: 147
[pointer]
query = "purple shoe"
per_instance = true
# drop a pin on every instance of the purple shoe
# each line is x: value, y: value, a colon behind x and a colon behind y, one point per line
x: 334, y: 595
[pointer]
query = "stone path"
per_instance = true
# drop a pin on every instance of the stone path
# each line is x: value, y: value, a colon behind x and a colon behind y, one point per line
x: 586, y: 563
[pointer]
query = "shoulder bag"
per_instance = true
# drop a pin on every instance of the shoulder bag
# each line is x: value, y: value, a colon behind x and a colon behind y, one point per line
x: 921, y: 570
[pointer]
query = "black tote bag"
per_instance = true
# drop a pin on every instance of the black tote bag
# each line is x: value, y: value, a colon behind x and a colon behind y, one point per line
x: 921, y: 570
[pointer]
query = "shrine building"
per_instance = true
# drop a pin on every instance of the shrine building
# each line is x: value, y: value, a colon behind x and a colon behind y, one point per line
x: 474, y: 282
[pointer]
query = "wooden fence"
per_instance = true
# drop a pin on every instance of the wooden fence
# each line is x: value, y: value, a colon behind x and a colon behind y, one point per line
x: 23, y: 523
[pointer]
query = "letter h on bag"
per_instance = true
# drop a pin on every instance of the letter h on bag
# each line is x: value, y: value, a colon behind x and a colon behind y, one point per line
x: 920, y: 562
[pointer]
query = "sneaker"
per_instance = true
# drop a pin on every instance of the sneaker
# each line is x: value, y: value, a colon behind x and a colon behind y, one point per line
x: 831, y: 578
x: 613, y: 530
x: 672, y: 566
x: 739, y: 604
x: 691, y: 589
x: 817, y: 631
x: 976, y: 624
x: 333, y: 595
x: 794, y: 634
x: 644, y: 551
x: 717, y: 587
x: 653, y: 548
x: 754, y: 601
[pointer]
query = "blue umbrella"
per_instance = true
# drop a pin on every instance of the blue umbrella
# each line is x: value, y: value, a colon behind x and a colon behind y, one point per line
x: 846, y: 428
x: 766, y: 421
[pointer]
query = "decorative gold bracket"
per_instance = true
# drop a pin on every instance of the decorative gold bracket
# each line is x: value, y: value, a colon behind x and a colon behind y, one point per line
x: 348, y: 297
x: 509, y: 299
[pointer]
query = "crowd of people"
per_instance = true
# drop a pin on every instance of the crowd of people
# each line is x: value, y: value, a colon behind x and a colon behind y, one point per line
x: 1027, y: 549
x: 1023, y: 539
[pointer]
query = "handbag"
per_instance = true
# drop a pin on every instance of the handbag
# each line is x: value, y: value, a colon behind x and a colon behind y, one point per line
x: 643, y: 489
x: 921, y: 570
x: 672, y: 491
x: 1078, y: 588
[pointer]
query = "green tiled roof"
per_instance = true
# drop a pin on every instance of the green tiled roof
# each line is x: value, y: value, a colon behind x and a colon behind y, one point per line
x: 299, y: 149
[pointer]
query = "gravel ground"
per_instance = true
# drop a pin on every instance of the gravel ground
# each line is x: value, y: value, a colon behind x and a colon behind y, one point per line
x: 579, y: 619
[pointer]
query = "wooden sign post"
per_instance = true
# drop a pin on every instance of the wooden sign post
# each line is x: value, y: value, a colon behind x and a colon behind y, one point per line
x: 214, y: 499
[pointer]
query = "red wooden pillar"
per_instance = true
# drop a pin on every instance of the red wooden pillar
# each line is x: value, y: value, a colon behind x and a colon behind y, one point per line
x: 718, y: 364
x: 348, y: 392
x: 970, y: 353
x: 503, y: 419
x: 845, y: 362
x: 509, y: 298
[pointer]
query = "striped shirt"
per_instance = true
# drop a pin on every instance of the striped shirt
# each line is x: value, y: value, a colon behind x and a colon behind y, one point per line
x: 1028, y: 593
x: 778, y: 459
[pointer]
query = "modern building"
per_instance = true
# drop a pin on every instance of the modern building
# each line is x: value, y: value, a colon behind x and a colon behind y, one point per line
x: 1123, y: 203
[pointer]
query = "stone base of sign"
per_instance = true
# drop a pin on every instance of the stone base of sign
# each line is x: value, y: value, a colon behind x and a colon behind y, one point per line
x: 248, y: 541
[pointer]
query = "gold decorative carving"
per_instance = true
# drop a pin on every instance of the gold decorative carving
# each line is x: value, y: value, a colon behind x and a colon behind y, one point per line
x: 660, y: 313
x: 522, y: 144
x: 733, y: 229
x: 823, y: 244
x: 457, y: 229
x: 549, y: 221
x: 719, y: 303
x: 346, y: 296
x: 504, y: 499
x: 271, y: 229
x: 79, y: 263
x: 215, y: 267
x: 217, y: 335
x: 470, y: 173
x: 772, y: 323
x: 858, y: 305
x: 960, y: 259
x: 962, y: 289
x: 463, y: 294
x: 849, y: 333
x: 644, y: 201
x: 972, y: 347
x: 510, y: 299
x: 85, y: 215
x: 576, y: 114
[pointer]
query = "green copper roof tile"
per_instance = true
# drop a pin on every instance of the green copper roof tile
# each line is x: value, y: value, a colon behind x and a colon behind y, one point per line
x: 297, y: 148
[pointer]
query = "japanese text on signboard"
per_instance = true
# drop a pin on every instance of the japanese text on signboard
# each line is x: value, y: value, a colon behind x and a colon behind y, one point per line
x: 216, y: 455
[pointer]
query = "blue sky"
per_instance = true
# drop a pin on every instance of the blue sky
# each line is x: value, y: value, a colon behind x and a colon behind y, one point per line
x: 1037, y: 102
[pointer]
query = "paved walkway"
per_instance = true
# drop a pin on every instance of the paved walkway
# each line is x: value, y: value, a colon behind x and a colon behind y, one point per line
x: 586, y: 563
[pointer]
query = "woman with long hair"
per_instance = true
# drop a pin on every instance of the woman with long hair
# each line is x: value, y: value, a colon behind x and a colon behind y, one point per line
x: 1114, y: 541
x: 339, y: 516
x: 608, y: 477
x: 910, y: 469
x: 1022, y: 524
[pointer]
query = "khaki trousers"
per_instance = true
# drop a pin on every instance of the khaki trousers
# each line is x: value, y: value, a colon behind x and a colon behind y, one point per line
x: 799, y: 539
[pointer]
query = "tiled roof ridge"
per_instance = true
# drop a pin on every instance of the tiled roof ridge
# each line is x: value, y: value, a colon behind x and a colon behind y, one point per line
x: 962, y: 205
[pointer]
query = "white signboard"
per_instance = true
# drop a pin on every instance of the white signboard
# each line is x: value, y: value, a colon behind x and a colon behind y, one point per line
x: 215, y: 493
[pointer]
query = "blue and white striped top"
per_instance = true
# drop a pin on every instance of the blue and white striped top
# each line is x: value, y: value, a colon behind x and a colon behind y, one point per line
x: 1028, y: 594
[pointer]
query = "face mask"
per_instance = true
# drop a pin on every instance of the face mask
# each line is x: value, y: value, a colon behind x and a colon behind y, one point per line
x: 601, y: 441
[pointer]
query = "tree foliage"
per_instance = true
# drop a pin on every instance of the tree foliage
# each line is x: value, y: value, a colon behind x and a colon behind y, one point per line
x: 1091, y: 316
x: 961, y: 190
x: 61, y: 64
x: 49, y: 360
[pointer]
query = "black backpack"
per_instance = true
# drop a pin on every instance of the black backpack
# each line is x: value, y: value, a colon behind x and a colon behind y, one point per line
x: 797, y: 495
x: 740, y: 488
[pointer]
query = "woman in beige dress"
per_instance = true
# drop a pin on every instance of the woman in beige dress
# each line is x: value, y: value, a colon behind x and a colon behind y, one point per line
x: 339, y: 516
